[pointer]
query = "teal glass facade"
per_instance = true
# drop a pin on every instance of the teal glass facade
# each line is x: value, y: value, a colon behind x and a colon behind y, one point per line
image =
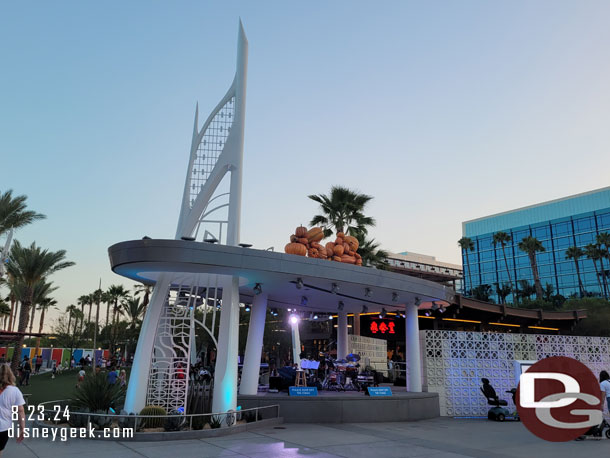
x: 573, y: 221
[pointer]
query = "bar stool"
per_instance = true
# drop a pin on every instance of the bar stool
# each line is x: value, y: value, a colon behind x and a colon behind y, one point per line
x: 300, y: 380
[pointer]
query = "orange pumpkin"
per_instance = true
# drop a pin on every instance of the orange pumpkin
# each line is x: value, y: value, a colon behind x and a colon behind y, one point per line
x: 303, y: 240
x: 346, y: 246
x: 353, y: 242
x: 357, y: 256
x: 340, y: 235
x: 315, y: 234
x: 338, y: 250
x: 296, y: 248
x: 294, y: 238
x: 330, y: 246
x: 338, y: 241
x: 358, y: 262
x: 348, y: 259
x: 312, y: 253
x: 301, y: 231
x: 337, y: 258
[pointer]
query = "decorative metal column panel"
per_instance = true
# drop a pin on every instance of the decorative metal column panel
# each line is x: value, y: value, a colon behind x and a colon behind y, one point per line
x: 454, y: 363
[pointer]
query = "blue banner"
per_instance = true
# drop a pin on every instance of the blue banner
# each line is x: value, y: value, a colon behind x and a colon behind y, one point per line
x: 303, y: 391
x: 380, y: 391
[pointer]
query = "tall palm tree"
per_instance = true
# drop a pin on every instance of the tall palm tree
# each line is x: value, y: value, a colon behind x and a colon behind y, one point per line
x: 531, y: 246
x: 13, y: 215
x: 342, y: 210
x: 503, y: 291
x: 576, y: 253
x: 42, y: 289
x: 30, y: 265
x: 603, y: 240
x: 143, y: 289
x: 97, y: 296
x: 503, y: 238
x: 88, y: 299
x: 44, y: 305
x: 82, y: 301
x: 594, y: 253
x: 135, y: 310
x: 115, y: 294
x: 466, y: 244
x: 70, y: 310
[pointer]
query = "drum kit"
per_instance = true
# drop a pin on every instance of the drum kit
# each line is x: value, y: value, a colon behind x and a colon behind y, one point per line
x: 344, y: 375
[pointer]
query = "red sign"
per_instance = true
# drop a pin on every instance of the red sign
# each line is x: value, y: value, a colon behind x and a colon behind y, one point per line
x: 382, y: 327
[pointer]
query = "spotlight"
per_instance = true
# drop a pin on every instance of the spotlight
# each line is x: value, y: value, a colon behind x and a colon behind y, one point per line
x: 368, y: 292
x: 299, y: 283
x: 383, y: 313
x: 258, y: 289
x: 417, y: 301
x: 304, y: 301
x: 289, y: 310
x: 315, y: 317
x: 211, y: 239
x: 434, y: 306
x: 330, y: 317
x: 394, y: 297
x: 334, y: 288
x: 146, y: 237
x: 294, y: 319
x: 441, y: 310
x: 427, y: 313
x: 188, y: 239
x: 340, y: 306
x: 365, y: 309
x: 247, y: 308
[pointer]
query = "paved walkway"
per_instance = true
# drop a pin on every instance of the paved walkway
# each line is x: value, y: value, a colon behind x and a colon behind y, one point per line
x: 438, y: 438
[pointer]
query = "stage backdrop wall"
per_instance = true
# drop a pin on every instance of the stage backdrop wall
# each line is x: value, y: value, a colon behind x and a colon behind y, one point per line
x: 454, y: 363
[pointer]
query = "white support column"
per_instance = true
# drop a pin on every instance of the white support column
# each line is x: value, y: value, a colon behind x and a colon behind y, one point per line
x: 412, y: 351
x: 225, y: 372
x: 135, y: 399
x: 356, y: 324
x: 296, y: 343
x: 342, y: 335
x: 254, y: 346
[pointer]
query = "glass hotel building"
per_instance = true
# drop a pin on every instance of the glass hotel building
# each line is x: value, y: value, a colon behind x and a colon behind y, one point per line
x: 558, y: 224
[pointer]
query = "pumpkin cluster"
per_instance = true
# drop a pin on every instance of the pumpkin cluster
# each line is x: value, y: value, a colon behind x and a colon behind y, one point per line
x: 307, y: 242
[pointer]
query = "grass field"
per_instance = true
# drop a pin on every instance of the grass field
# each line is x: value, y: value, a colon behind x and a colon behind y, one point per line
x: 44, y: 388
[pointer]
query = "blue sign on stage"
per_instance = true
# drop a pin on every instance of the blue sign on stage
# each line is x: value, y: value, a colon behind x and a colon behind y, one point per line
x: 303, y: 391
x: 380, y: 391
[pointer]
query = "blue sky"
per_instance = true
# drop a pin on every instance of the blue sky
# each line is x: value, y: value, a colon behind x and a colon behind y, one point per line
x: 443, y: 111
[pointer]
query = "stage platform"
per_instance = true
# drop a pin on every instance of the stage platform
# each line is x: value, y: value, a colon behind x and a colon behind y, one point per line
x: 349, y: 406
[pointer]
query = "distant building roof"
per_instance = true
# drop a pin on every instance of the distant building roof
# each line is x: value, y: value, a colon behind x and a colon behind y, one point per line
x: 585, y: 202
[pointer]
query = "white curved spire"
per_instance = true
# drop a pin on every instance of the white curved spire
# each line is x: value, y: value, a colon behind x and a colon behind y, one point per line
x: 215, y: 150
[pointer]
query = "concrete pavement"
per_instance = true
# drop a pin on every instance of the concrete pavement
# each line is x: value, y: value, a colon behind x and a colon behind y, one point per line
x: 437, y: 438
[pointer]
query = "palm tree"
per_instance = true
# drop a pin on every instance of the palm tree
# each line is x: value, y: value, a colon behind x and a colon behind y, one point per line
x: 371, y: 255
x: 531, y: 246
x: 13, y: 215
x: 143, y: 289
x: 5, y: 311
x: 97, y: 296
x: 576, y: 253
x: 503, y: 291
x: 135, y: 310
x: 70, y: 309
x: 342, y: 209
x: 44, y: 305
x: 115, y: 293
x: 467, y: 245
x: 594, y: 253
x: 30, y: 265
x: 525, y: 289
x: 88, y: 299
x: 82, y: 301
x: 503, y: 238
x: 41, y: 290
x: 603, y: 240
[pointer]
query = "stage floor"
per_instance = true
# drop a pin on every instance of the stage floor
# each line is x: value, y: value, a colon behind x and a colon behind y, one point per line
x: 348, y: 407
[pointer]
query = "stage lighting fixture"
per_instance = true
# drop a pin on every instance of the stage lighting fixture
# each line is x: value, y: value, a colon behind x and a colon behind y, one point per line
x: 365, y: 309
x: 258, y: 289
x: 394, y: 297
x: 368, y: 292
x: 383, y: 313
x: 294, y: 319
x: 299, y: 283
x: 315, y: 317
x: 330, y: 317
x: 417, y: 301
x: 434, y: 306
x: 304, y: 301
x: 340, y: 306
x: 427, y: 313
x: 247, y: 308
x: 334, y: 288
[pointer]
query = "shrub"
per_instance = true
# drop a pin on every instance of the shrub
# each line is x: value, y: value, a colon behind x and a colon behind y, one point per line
x: 215, y: 421
x: 153, y: 422
x: 199, y: 422
x: 175, y: 421
x: 96, y: 394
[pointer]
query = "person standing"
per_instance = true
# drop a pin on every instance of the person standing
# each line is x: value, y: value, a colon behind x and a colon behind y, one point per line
x: 26, y: 370
x: 38, y: 363
x: 123, y: 377
x: 112, y: 376
x: 604, y: 384
x: 10, y: 396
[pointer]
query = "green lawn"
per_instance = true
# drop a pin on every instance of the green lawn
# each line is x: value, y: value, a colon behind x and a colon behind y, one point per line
x: 43, y: 388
